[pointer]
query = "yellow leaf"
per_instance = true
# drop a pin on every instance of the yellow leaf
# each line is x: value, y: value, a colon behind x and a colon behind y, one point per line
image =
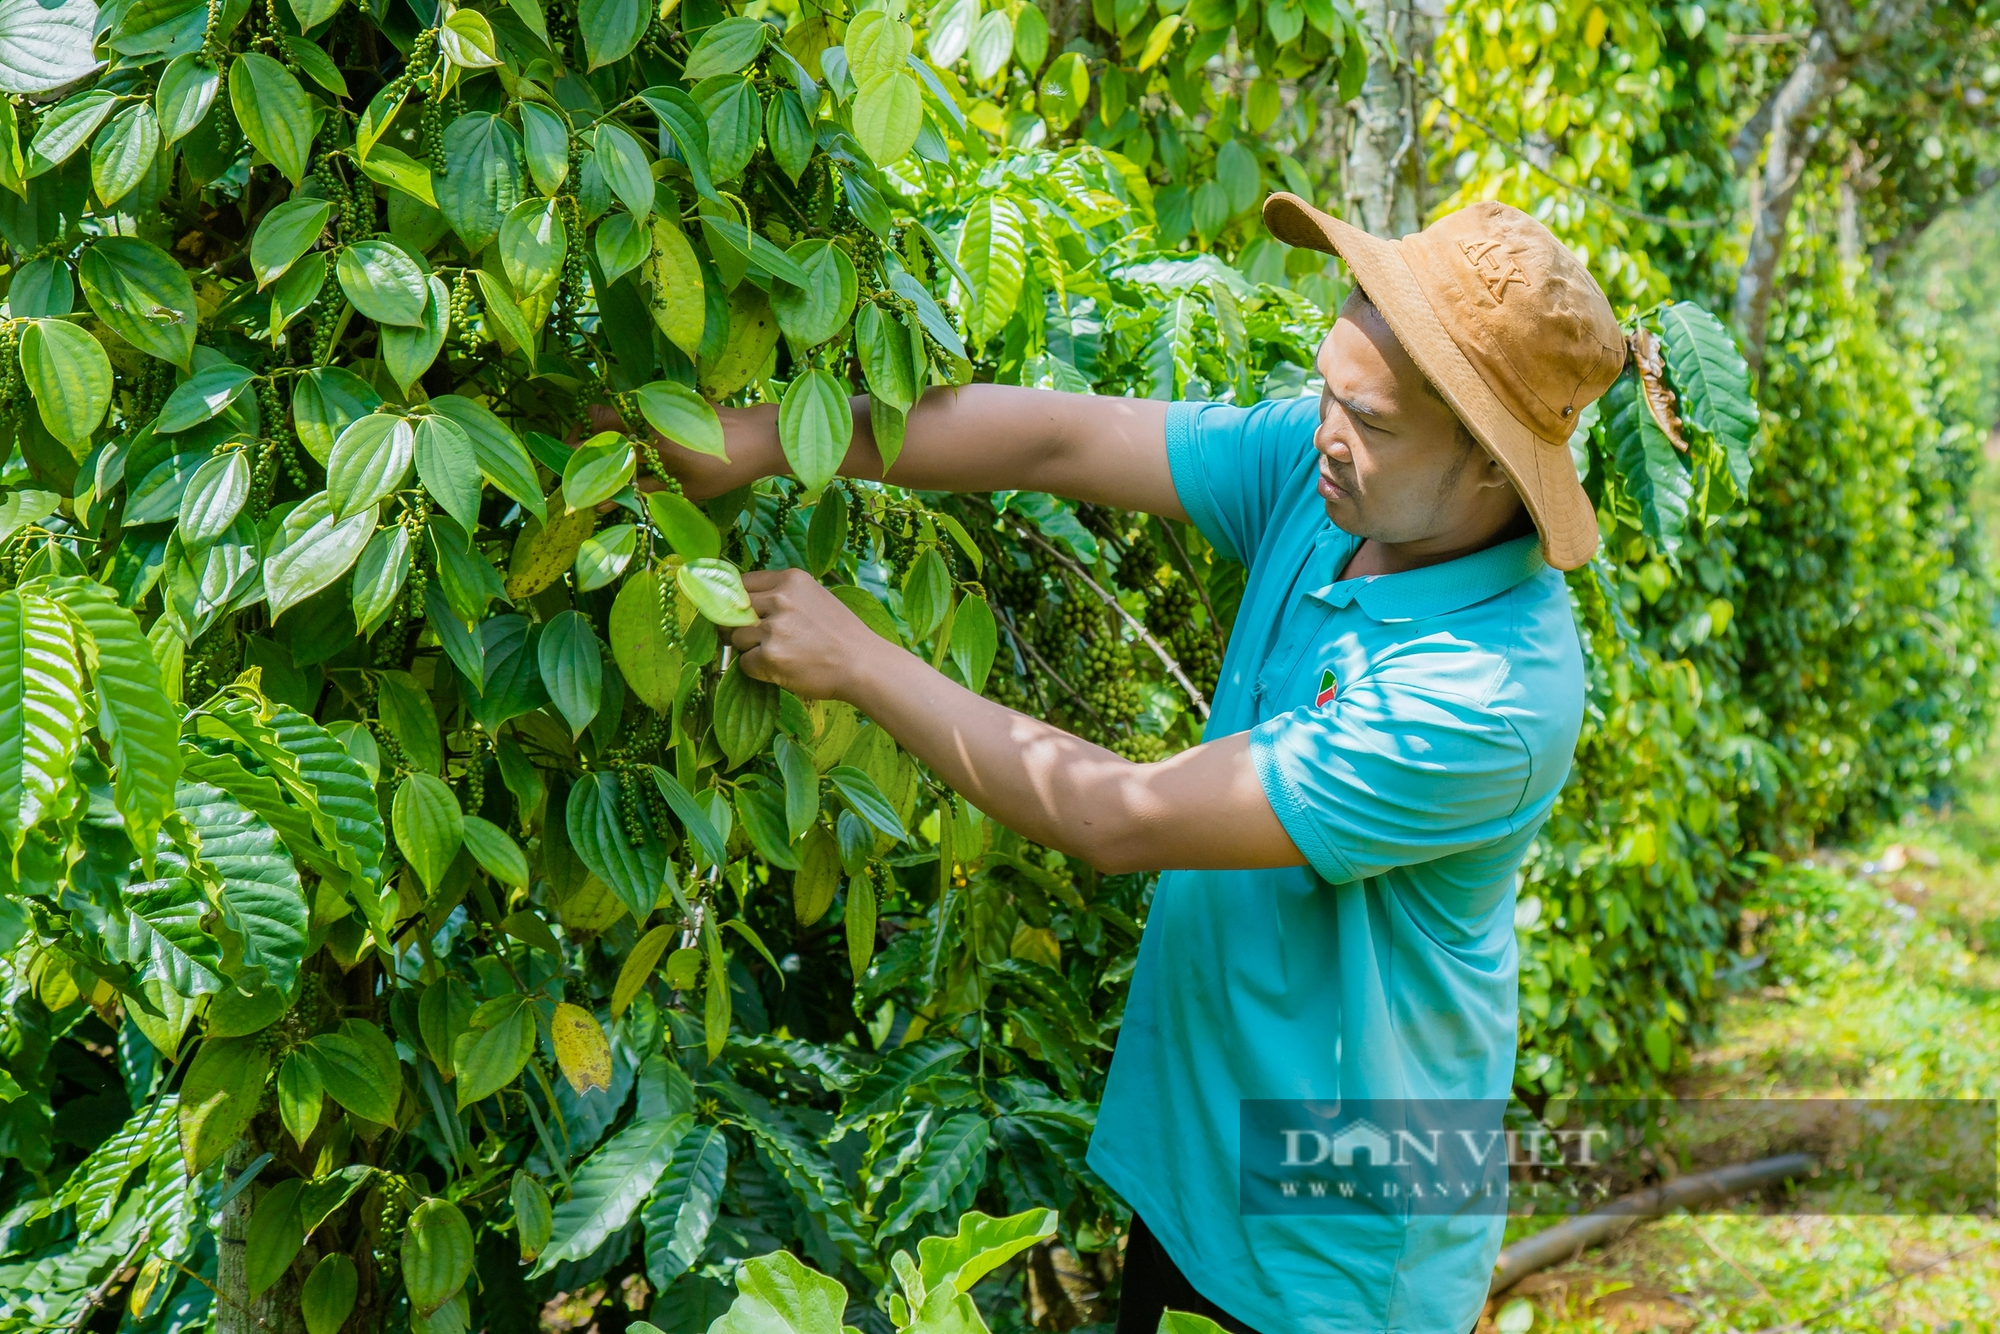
x: 582, y: 1050
x: 639, y: 965
x: 1157, y: 43
x: 543, y: 553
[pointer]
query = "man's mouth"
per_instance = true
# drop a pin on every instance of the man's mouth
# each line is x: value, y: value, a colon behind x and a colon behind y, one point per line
x: 1329, y: 486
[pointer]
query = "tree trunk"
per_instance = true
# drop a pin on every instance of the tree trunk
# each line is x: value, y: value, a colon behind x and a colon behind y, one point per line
x: 1818, y: 77
x: 1383, y: 160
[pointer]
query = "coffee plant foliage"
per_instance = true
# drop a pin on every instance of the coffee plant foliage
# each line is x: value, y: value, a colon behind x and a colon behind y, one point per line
x: 409, y: 914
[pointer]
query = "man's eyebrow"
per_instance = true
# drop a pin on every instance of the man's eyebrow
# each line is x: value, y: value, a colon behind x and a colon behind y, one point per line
x: 1365, y: 409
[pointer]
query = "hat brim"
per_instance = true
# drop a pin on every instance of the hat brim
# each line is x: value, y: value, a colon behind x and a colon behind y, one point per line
x: 1542, y: 470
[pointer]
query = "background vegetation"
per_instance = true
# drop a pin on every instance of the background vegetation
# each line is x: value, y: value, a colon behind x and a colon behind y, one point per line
x: 409, y: 919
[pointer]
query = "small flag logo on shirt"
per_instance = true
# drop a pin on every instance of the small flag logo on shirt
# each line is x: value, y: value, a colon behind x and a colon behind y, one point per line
x: 1328, y: 687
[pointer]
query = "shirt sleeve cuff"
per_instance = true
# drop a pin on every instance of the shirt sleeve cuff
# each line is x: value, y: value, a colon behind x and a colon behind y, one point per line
x: 1190, y: 479
x: 1290, y: 807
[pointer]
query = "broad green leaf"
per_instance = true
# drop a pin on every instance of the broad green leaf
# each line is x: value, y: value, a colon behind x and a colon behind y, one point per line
x: 570, y: 664
x: 818, y: 876
x: 444, y: 1012
x: 70, y: 377
x: 399, y: 171
x: 688, y: 531
x: 496, y: 851
x: 735, y: 118
x: 383, y: 282
x: 595, y: 820
x: 815, y: 427
x: 276, y: 114
x: 513, y: 685
x: 812, y: 314
x: 67, y: 127
x: 41, y: 710
x: 503, y: 459
x: 534, y: 1220
x: 484, y: 183
x: 1708, y: 370
x: 638, y: 967
x: 975, y: 639
x: 788, y: 132
x: 215, y: 496
x: 315, y: 64
x: 124, y: 153
x: 992, y: 43
x: 405, y: 711
x: 993, y: 252
x: 505, y: 312
x: 858, y: 921
x: 22, y: 509
x: 981, y: 1245
x: 623, y: 243
x: 143, y: 295
x: 1186, y: 1322
x: 715, y: 587
x: 41, y: 287
x: 310, y: 14
x: 326, y: 401
x: 448, y: 466
x: 610, y: 1186
x: 801, y: 786
x: 430, y: 828
x: 684, y: 417
x: 876, y: 43
x: 224, y: 1084
x: 889, y: 359
x: 862, y: 796
x: 926, y: 594
x: 158, y: 924
x: 261, y: 898
x: 679, y: 299
x: 545, y: 139
x: 371, y: 459
x: 726, y: 47
x: 409, y: 351
x: 1654, y: 473
x: 611, y: 28
x: 647, y: 657
x: 684, y: 1204
x: 599, y: 469
x: 604, y: 556
x: 954, y: 1150
x: 314, y: 549
x: 300, y: 1095
x: 775, y: 1294
x: 491, y: 1054
x: 746, y: 713
x: 625, y: 168
x: 379, y: 575
x: 44, y: 46
x: 286, y: 232
x: 206, y: 394
x: 327, y: 1296
x: 357, y: 1067
x: 135, y: 717
x: 467, y: 40
x: 888, y: 112
x: 532, y: 245
x: 274, y: 1237
x: 437, y: 1255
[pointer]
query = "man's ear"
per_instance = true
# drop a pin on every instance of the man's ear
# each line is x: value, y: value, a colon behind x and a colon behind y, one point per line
x: 1491, y: 473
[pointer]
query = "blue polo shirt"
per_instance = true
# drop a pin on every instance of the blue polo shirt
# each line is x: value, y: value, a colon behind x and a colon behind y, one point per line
x: 1411, y: 731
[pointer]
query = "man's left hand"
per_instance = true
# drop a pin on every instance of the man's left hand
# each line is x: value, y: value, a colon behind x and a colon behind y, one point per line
x: 805, y: 639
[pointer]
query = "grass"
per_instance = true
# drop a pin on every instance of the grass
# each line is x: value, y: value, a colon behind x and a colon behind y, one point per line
x: 1881, y: 978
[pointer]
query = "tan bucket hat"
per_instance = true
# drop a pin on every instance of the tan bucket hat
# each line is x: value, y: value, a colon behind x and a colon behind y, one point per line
x: 1509, y: 326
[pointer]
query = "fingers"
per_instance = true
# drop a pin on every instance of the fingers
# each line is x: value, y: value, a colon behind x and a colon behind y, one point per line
x: 758, y: 581
x: 604, y: 417
x: 747, y: 637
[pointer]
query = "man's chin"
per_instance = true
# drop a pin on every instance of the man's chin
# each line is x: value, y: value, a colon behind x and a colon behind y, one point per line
x: 1343, y: 514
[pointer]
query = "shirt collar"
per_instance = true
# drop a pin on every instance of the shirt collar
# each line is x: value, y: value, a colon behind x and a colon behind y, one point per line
x: 1434, y: 590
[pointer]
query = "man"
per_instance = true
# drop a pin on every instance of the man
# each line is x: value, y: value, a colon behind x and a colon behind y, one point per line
x: 1396, y: 714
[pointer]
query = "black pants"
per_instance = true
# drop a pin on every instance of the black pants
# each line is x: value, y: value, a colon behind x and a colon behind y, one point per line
x: 1154, y: 1285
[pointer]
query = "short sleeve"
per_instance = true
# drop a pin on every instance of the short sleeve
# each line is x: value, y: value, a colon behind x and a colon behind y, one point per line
x: 1390, y: 775
x: 1233, y: 466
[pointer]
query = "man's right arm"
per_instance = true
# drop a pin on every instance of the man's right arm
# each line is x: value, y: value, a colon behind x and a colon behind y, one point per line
x: 982, y: 437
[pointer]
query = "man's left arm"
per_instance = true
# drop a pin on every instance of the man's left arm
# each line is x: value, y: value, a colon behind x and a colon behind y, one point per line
x: 1202, y: 808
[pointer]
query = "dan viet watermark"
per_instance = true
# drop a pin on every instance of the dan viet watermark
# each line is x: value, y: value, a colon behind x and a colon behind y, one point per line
x: 1451, y: 1156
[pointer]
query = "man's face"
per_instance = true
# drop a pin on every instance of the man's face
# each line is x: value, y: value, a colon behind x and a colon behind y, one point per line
x: 1393, y: 465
